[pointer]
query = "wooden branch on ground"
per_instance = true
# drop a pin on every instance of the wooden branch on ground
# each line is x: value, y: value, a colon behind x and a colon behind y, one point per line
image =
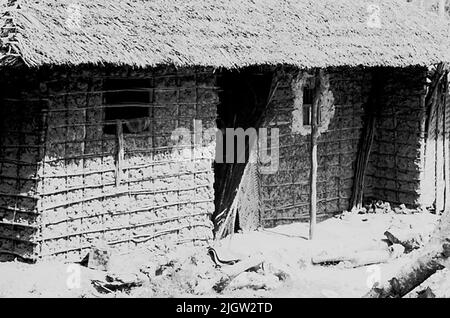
x: 360, y: 258
x: 231, y: 272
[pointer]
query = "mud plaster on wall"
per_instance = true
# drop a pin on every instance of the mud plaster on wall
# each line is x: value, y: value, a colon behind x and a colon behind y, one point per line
x: 326, y: 103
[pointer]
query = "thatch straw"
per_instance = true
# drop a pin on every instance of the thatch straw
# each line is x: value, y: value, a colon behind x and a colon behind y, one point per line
x: 228, y: 33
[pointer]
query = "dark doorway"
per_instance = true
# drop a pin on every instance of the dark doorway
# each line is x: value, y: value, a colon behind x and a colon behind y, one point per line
x: 244, y: 96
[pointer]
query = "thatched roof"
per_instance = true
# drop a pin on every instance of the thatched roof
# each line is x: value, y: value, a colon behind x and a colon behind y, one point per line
x: 228, y: 33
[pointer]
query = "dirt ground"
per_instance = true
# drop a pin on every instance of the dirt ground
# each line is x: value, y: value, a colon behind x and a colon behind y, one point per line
x: 287, y: 270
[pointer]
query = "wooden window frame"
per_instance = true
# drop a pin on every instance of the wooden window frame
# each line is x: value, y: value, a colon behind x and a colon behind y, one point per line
x: 119, y: 104
x: 306, y: 107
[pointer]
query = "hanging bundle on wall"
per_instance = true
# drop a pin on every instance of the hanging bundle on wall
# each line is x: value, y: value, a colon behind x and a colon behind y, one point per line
x: 245, y: 202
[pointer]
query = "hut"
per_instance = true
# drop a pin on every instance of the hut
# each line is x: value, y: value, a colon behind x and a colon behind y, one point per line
x: 92, y: 93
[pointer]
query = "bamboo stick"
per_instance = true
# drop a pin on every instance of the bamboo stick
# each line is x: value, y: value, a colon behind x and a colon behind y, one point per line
x: 132, y: 192
x: 446, y: 134
x: 120, y: 152
x: 313, y: 171
x: 118, y: 228
x: 158, y: 221
x: 68, y: 203
x: 440, y: 152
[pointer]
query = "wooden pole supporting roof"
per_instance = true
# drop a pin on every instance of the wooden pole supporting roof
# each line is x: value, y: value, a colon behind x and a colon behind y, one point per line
x: 313, y: 155
x: 446, y: 134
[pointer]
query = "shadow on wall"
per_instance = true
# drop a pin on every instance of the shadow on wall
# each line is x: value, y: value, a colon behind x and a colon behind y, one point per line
x: 396, y: 164
x: 20, y: 154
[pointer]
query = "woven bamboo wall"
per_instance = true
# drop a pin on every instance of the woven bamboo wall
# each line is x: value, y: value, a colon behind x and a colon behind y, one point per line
x: 396, y: 162
x: 160, y: 199
x: 285, y: 194
x: 20, y: 136
x: 395, y: 171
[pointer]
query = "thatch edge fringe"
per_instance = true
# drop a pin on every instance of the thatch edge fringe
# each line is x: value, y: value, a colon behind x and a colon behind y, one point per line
x: 21, y: 22
x: 9, y: 45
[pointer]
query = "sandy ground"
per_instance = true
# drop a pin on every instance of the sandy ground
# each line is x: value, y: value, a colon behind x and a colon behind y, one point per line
x: 288, y: 245
x: 286, y: 272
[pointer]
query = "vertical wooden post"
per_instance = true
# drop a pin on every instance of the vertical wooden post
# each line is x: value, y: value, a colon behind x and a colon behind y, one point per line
x: 446, y: 144
x: 119, y: 152
x: 440, y: 151
x: 431, y: 105
x: 313, y: 171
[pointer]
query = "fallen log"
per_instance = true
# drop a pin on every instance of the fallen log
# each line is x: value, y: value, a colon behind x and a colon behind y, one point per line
x: 360, y: 258
x: 427, y: 260
x: 411, y: 275
x: 438, y: 283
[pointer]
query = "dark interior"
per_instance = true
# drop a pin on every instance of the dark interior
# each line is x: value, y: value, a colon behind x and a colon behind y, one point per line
x: 244, y: 96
